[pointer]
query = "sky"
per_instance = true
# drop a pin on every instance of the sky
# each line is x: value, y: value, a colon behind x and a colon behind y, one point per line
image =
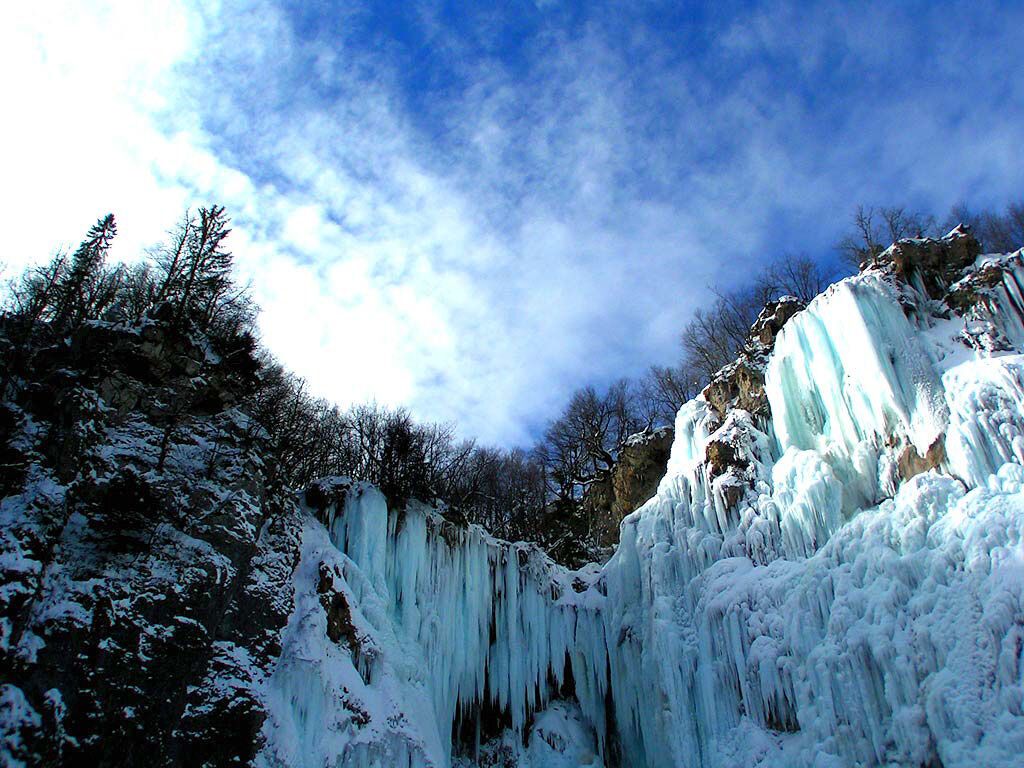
x: 472, y: 209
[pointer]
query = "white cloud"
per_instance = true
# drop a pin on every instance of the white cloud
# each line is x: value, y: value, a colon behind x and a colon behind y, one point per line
x: 527, y: 229
x: 82, y: 84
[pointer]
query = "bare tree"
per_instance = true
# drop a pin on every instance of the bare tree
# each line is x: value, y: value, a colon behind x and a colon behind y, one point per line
x: 875, y: 229
x: 135, y: 293
x: 996, y: 232
x: 1004, y: 233
x: 795, y: 275
x: 502, y: 490
x: 714, y: 336
x: 35, y: 294
x: 664, y: 390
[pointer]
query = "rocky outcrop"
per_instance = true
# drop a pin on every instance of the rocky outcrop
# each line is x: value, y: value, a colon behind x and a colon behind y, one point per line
x: 935, y: 263
x: 911, y: 463
x: 633, y: 479
x: 985, y: 292
x: 729, y: 459
x: 741, y: 383
x: 339, y: 615
x: 974, y: 288
x: 146, y: 548
x: 955, y: 282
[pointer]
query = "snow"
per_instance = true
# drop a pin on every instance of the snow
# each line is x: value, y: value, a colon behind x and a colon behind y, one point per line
x: 15, y: 711
x: 839, y: 610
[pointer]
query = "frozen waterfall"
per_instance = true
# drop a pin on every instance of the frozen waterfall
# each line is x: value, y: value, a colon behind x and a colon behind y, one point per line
x: 858, y: 601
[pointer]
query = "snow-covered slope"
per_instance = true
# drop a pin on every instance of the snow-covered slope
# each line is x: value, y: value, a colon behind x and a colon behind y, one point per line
x: 836, y: 579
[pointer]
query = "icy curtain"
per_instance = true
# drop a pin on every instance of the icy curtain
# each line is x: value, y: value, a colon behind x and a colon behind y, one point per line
x: 859, y: 601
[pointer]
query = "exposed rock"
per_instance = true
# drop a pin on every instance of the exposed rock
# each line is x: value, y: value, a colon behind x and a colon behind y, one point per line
x: 633, y: 480
x: 984, y: 292
x: 741, y: 383
x: 935, y: 263
x: 738, y: 385
x: 771, y: 319
x: 911, y: 463
x: 339, y: 616
x: 729, y: 456
x: 722, y: 456
x: 327, y: 494
x: 973, y: 288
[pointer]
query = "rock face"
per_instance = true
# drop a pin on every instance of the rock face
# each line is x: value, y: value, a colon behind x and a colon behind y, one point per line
x: 935, y: 262
x: 948, y: 275
x: 335, y: 604
x: 632, y: 481
x: 741, y: 383
x: 146, y: 549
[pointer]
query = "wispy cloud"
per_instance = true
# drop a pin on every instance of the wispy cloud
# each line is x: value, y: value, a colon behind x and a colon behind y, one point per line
x: 474, y: 213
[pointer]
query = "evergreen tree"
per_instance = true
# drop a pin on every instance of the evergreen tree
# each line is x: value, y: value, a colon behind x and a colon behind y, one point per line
x: 77, y: 291
x: 205, y: 274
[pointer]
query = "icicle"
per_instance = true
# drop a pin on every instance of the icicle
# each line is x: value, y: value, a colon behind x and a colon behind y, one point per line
x: 845, y: 610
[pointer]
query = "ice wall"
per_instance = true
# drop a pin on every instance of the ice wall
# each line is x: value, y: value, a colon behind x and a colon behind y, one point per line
x: 449, y: 620
x: 847, y: 589
x: 849, y: 374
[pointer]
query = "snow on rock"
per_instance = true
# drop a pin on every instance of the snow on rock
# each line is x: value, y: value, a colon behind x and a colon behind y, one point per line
x: 143, y: 588
x: 343, y: 700
x: 837, y: 583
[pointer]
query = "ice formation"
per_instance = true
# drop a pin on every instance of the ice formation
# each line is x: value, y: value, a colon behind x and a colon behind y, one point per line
x: 849, y: 590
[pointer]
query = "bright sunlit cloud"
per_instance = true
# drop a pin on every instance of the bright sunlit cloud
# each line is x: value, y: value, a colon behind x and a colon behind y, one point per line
x: 473, y: 212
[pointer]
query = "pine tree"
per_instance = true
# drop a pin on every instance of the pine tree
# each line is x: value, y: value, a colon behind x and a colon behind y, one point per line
x: 85, y: 271
x: 206, y: 272
x: 171, y: 259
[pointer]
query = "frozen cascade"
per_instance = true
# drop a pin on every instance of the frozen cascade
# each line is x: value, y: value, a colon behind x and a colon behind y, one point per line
x: 848, y: 373
x: 463, y: 619
x: 861, y: 602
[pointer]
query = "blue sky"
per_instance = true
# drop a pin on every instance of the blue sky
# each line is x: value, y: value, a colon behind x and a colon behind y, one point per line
x: 473, y: 209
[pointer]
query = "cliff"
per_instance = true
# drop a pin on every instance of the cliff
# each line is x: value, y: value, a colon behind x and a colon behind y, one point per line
x: 830, y: 578
x: 146, y: 549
